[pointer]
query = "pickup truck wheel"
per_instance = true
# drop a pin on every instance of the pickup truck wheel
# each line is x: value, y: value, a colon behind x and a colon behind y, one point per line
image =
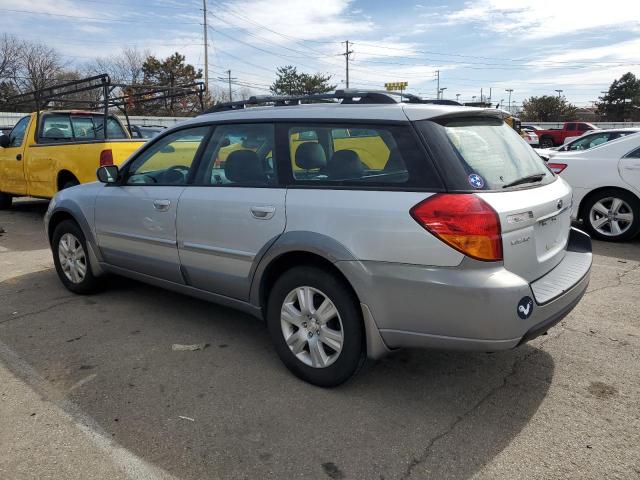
x: 316, y: 326
x: 546, y: 142
x: 71, y: 259
x: 5, y: 201
x: 612, y: 215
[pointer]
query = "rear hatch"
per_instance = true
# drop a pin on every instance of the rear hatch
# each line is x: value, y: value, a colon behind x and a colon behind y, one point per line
x: 477, y: 153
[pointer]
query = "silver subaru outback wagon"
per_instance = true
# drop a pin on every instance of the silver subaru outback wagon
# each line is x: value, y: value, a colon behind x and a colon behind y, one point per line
x: 352, y: 227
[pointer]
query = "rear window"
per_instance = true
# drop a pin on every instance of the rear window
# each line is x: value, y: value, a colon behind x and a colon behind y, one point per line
x: 483, y: 154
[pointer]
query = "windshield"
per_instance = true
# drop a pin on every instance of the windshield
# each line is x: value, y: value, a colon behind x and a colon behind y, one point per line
x: 493, y: 156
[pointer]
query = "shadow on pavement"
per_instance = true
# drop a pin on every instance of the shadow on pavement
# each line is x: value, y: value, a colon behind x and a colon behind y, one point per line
x: 233, y: 411
x: 22, y: 225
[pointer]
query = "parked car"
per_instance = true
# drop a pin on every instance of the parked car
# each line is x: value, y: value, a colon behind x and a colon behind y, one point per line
x: 352, y: 228
x: 50, y: 151
x: 587, y: 141
x: 146, y: 131
x: 606, y: 186
x: 553, y: 137
x: 5, y: 129
x: 530, y: 137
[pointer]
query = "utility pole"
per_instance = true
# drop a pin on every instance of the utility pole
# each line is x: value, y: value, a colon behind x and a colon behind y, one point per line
x: 346, y: 54
x: 481, y: 95
x: 206, y: 48
x: 438, y: 86
x: 229, y: 79
x: 509, y: 90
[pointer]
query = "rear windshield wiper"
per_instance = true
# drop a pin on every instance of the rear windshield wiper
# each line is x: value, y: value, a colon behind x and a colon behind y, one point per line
x: 536, y: 177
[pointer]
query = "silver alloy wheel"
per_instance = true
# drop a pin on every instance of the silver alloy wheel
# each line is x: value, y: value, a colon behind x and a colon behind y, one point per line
x: 611, y: 216
x: 312, y: 327
x: 73, y: 260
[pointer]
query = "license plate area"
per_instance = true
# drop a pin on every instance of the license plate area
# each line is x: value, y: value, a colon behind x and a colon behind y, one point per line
x: 551, y: 233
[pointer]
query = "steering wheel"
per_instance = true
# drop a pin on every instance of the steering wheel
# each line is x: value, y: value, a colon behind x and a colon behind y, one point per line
x: 175, y: 174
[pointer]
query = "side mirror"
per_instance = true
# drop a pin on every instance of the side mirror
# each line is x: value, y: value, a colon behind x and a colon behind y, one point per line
x: 108, y: 174
x: 4, y: 141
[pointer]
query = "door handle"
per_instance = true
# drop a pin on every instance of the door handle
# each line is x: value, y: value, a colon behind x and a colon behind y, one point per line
x: 19, y: 157
x: 263, y: 213
x: 162, y: 205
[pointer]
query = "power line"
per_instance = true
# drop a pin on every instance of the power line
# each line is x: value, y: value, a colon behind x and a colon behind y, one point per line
x: 100, y: 19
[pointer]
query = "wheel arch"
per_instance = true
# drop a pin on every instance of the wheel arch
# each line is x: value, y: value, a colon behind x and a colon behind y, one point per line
x: 63, y: 177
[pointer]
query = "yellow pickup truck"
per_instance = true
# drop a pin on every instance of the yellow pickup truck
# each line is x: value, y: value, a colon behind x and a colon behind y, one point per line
x: 49, y: 151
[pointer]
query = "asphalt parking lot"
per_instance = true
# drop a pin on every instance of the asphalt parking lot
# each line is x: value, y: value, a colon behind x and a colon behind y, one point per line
x: 91, y: 388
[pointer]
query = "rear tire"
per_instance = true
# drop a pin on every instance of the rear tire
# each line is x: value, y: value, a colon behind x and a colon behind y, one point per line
x: 546, y: 142
x: 71, y: 259
x: 612, y: 215
x: 6, y: 201
x: 324, y: 343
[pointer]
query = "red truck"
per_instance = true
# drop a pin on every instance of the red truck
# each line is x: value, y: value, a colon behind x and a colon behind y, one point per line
x: 556, y: 136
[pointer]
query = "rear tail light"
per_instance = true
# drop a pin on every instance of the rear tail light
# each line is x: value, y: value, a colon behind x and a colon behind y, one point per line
x: 557, y: 167
x: 106, y: 157
x: 463, y: 221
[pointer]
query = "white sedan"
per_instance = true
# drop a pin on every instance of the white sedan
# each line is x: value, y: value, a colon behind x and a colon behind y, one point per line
x: 606, y: 186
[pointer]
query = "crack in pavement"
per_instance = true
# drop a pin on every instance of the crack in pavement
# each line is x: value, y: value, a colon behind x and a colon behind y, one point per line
x: 618, y: 280
x: 505, y: 380
x: 42, y: 310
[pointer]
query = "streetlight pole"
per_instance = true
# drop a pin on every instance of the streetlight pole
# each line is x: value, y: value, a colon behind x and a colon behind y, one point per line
x: 457, y: 97
x: 442, y: 92
x: 559, y: 92
x: 510, y: 90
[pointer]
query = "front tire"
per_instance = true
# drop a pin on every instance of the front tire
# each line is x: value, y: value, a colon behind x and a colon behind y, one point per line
x: 316, y: 326
x: 612, y: 215
x: 5, y: 201
x: 71, y: 259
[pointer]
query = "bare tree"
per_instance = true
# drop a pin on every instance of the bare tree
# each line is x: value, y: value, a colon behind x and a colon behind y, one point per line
x: 39, y: 67
x: 9, y: 56
x: 125, y: 67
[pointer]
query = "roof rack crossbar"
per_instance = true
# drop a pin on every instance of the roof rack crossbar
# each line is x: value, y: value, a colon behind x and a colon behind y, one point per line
x: 347, y: 96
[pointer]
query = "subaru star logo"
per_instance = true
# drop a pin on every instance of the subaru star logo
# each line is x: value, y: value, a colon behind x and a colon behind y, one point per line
x: 559, y: 205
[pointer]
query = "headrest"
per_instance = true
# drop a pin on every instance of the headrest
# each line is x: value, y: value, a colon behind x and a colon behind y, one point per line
x: 345, y: 164
x: 243, y: 166
x: 310, y: 155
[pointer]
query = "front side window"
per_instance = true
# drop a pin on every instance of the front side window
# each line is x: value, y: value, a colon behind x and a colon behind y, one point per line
x: 240, y: 155
x: 356, y: 155
x: 17, y: 133
x: 168, y: 161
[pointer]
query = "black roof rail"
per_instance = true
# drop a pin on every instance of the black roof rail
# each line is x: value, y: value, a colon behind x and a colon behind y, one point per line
x: 347, y: 96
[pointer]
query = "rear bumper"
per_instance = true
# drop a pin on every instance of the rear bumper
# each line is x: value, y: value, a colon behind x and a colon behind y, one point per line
x: 470, y: 307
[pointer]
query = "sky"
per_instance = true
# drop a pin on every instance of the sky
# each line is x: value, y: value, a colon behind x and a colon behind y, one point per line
x: 534, y: 47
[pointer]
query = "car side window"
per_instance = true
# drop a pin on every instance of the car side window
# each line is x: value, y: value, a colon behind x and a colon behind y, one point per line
x: 17, y: 133
x: 589, y: 141
x: 83, y: 128
x: 571, y: 127
x: 356, y: 155
x: 634, y: 154
x: 168, y: 161
x: 240, y: 155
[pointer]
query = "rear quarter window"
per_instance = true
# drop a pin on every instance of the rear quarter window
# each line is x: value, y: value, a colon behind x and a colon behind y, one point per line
x: 359, y: 155
x: 482, y: 154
